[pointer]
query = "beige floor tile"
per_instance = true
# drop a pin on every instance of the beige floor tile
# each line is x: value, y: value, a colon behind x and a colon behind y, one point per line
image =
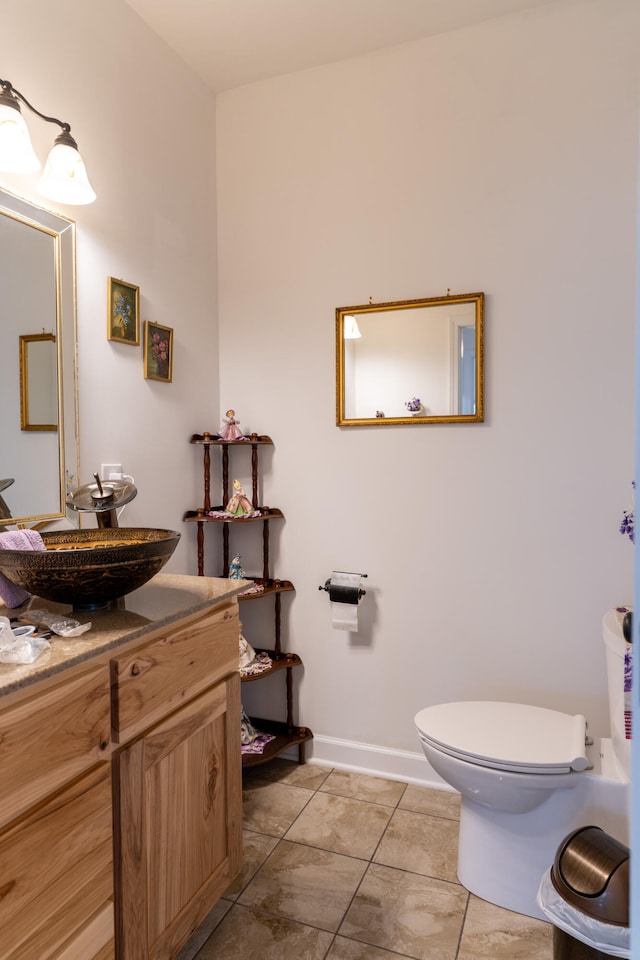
x: 310, y: 775
x: 309, y: 834
x: 247, y: 934
x: 272, y: 807
x: 340, y: 824
x: 256, y: 847
x: 360, y: 786
x: 343, y: 949
x: 422, y: 844
x: 491, y: 933
x: 305, y: 884
x: 412, y: 915
x: 201, y: 935
x: 437, y: 803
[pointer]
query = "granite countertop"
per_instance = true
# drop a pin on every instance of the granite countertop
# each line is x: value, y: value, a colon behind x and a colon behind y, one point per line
x: 163, y: 600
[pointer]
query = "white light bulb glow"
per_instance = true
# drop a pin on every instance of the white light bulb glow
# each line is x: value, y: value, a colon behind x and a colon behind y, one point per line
x: 65, y: 177
x: 16, y: 152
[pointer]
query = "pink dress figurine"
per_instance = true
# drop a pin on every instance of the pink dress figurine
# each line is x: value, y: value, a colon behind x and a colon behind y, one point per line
x: 230, y: 429
x: 239, y: 505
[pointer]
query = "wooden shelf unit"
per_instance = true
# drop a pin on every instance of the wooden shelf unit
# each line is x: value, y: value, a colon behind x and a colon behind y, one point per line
x: 286, y: 733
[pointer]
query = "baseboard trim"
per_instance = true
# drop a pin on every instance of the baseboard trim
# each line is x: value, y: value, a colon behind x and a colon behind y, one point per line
x: 375, y: 761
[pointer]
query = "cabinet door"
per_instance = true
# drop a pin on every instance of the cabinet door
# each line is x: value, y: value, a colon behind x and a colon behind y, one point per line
x: 178, y: 823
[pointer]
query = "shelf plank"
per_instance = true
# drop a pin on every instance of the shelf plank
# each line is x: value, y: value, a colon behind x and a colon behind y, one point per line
x: 278, y: 663
x: 214, y: 440
x: 202, y: 516
x: 269, y: 587
x: 284, y: 738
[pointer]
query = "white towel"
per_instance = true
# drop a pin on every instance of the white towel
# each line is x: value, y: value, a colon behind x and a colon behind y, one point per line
x: 11, y: 593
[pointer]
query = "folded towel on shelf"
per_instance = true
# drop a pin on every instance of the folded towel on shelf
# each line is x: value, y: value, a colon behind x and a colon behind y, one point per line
x: 11, y: 594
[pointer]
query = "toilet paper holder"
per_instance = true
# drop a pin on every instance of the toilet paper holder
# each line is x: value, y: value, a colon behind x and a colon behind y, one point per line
x: 342, y: 594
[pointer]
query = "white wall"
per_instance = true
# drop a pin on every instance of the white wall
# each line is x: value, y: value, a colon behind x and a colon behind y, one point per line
x: 145, y: 127
x: 500, y: 158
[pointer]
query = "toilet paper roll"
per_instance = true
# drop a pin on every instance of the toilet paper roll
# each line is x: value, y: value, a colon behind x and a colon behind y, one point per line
x: 344, y: 594
x: 340, y: 594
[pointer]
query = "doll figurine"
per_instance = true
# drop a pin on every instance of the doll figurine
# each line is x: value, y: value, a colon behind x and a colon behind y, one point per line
x: 246, y: 653
x: 230, y: 429
x: 248, y: 732
x: 235, y: 568
x: 239, y: 505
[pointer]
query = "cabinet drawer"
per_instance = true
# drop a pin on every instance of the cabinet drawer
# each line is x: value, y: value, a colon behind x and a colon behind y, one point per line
x: 56, y: 872
x: 96, y: 940
x: 165, y: 673
x: 51, y: 738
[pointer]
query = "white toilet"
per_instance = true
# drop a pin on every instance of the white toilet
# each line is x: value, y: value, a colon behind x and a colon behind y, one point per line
x: 528, y: 776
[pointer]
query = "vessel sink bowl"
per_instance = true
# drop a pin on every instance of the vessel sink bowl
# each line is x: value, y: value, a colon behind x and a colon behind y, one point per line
x: 90, y: 568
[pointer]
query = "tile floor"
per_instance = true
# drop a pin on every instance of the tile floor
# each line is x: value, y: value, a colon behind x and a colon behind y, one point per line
x: 342, y: 866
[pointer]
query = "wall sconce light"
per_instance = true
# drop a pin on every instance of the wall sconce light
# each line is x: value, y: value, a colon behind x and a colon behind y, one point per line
x: 65, y: 177
x: 351, y: 329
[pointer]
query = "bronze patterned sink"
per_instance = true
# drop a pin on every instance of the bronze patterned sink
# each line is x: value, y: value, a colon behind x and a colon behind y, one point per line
x: 89, y: 568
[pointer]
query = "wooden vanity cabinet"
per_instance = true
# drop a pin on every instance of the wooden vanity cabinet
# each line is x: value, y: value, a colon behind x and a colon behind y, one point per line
x: 178, y: 789
x: 121, y: 796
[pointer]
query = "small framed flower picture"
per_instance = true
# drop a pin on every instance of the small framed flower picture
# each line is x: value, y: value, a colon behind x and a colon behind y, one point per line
x: 158, y: 352
x: 123, y: 311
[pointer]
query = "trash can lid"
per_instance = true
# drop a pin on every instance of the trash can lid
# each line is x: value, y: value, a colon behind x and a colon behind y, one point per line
x: 591, y: 872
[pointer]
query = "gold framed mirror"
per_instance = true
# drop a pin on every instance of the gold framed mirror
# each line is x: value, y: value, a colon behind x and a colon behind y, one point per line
x: 38, y: 382
x: 411, y: 361
x: 39, y: 447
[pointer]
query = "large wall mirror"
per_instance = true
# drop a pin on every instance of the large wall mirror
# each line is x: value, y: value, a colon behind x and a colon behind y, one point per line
x: 38, y: 435
x: 411, y: 361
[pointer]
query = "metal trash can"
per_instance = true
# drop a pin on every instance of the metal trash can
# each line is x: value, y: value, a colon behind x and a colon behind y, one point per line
x: 586, y: 897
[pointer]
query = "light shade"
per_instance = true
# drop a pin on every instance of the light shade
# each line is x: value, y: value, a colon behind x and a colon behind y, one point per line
x: 65, y: 177
x: 16, y: 152
x: 351, y: 329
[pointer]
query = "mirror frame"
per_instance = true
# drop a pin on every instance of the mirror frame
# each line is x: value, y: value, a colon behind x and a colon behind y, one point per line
x: 341, y: 312
x: 26, y: 341
x: 63, y: 232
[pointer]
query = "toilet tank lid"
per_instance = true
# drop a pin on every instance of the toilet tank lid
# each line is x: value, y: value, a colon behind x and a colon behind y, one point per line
x: 513, y: 733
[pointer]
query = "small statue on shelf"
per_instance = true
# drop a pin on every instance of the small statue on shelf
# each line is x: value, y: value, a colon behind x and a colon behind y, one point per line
x: 248, y: 732
x: 230, y: 429
x: 235, y: 568
x: 246, y: 653
x: 239, y: 505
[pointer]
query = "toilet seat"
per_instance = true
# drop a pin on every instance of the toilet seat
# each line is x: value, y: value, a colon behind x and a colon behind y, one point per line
x: 513, y: 737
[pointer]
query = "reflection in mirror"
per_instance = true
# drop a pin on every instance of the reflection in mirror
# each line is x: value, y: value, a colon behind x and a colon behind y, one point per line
x: 37, y: 279
x: 38, y: 382
x: 411, y: 361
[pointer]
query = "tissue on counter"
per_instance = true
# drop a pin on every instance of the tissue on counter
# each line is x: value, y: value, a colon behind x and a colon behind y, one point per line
x: 19, y: 648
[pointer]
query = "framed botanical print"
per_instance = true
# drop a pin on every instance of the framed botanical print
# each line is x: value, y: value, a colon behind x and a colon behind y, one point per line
x: 158, y: 352
x: 123, y: 312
